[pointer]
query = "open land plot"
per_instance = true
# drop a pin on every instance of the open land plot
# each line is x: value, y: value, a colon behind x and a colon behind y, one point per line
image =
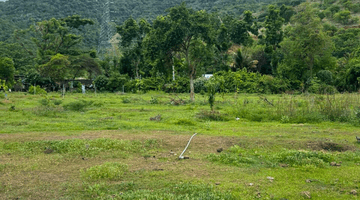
x: 114, y: 146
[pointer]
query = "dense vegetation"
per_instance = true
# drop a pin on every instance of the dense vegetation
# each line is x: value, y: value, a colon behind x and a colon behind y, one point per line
x: 288, y: 46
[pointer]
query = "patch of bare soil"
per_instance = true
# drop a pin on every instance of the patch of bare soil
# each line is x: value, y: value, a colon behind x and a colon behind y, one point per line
x: 330, y: 146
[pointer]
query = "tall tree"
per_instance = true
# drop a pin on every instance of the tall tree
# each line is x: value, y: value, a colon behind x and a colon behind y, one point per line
x: 273, y: 25
x: 132, y: 35
x: 57, y: 51
x: 178, y: 31
x: 7, y: 70
x: 307, y: 49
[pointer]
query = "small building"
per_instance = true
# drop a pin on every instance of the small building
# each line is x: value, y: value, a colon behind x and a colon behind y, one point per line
x: 207, y: 76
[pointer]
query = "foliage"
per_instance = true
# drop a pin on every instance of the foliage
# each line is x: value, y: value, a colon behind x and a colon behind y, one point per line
x: 110, y: 171
x: 304, y: 158
x: 116, y: 82
x: 273, y: 25
x: 36, y: 90
x: 306, y: 49
x: 238, y: 156
x: 7, y: 70
x: 78, y: 106
x: 57, y: 68
x: 101, y: 82
x: 251, y: 82
x: 212, y: 88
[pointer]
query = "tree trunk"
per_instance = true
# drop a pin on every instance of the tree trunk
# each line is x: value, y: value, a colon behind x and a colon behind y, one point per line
x: 191, y: 70
x: 191, y: 87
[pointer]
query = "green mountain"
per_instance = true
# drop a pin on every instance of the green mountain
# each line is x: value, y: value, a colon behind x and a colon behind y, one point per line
x: 20, y: 14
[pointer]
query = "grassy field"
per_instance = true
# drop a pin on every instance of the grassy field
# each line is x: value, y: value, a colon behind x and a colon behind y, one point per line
x: 126, y: 146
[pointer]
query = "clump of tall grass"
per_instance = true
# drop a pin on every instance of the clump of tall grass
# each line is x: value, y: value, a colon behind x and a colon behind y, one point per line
x: 108, y: 170
x: 48, y: 107
x: 212, y: 116
x: 79, y: 106
x: 238, y: 156
x: 296, y: 158
x: 302, y: 109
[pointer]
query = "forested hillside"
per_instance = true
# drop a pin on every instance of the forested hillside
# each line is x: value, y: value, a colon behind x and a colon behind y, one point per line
x: 16, y: 14
x: 286, y: 46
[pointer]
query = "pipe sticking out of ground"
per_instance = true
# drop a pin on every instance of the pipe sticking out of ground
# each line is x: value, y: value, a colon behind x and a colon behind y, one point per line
x: 181, y: 155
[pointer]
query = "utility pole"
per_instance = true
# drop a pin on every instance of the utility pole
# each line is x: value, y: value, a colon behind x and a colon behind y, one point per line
x: 106, y: 31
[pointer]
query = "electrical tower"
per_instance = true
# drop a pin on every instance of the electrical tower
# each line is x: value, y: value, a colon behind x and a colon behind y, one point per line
x: 106, y: 30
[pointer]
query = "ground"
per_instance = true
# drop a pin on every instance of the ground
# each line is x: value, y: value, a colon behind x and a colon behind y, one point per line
x: 110, y: 149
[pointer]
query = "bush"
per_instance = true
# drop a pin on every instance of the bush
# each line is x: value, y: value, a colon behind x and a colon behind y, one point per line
x: 343, y: 17
x: 78, y: 106
x: 199, y: 84
x: 180, y: 85
x: 319, y: 87
x: 154, y: 100
x: 38, y: 90
x: 116, y: 82
x: 108, y: 170
x: 101, y: 82
x: 152, y: 83
x: 250, y: 82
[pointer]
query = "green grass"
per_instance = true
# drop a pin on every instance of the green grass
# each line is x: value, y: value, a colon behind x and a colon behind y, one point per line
x: 105, y: 146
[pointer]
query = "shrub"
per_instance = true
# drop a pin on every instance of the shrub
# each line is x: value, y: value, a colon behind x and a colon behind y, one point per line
x: 343, y: 17
x: 101, y: 82
x: 81, y: 105
x: 57, y: 102
x: 116, y: 82
x: 48, y: 108
x: 180, y: 85
x: 108, y: 170
x: 38, y: 90
x: 199, y: 84
x: 154, y: 100
x: 152, y: 83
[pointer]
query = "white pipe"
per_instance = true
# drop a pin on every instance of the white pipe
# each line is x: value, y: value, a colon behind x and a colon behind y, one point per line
x: 181, y: 155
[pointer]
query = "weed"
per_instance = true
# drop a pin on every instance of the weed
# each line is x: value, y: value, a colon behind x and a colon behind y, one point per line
x: 79, y: 106
x: 154, y: 100
x: 234, y: 156
x: 151, y: 143
x: 303, y: 158
x: 57, y: 102
x: 12, y: 108
x: 156, y: 118
x: 185, y: 121
x: 36, y: 90
x: 285, y: 119
x: 108, y: 170
x: 126, y: 100
x: 212, y: 116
